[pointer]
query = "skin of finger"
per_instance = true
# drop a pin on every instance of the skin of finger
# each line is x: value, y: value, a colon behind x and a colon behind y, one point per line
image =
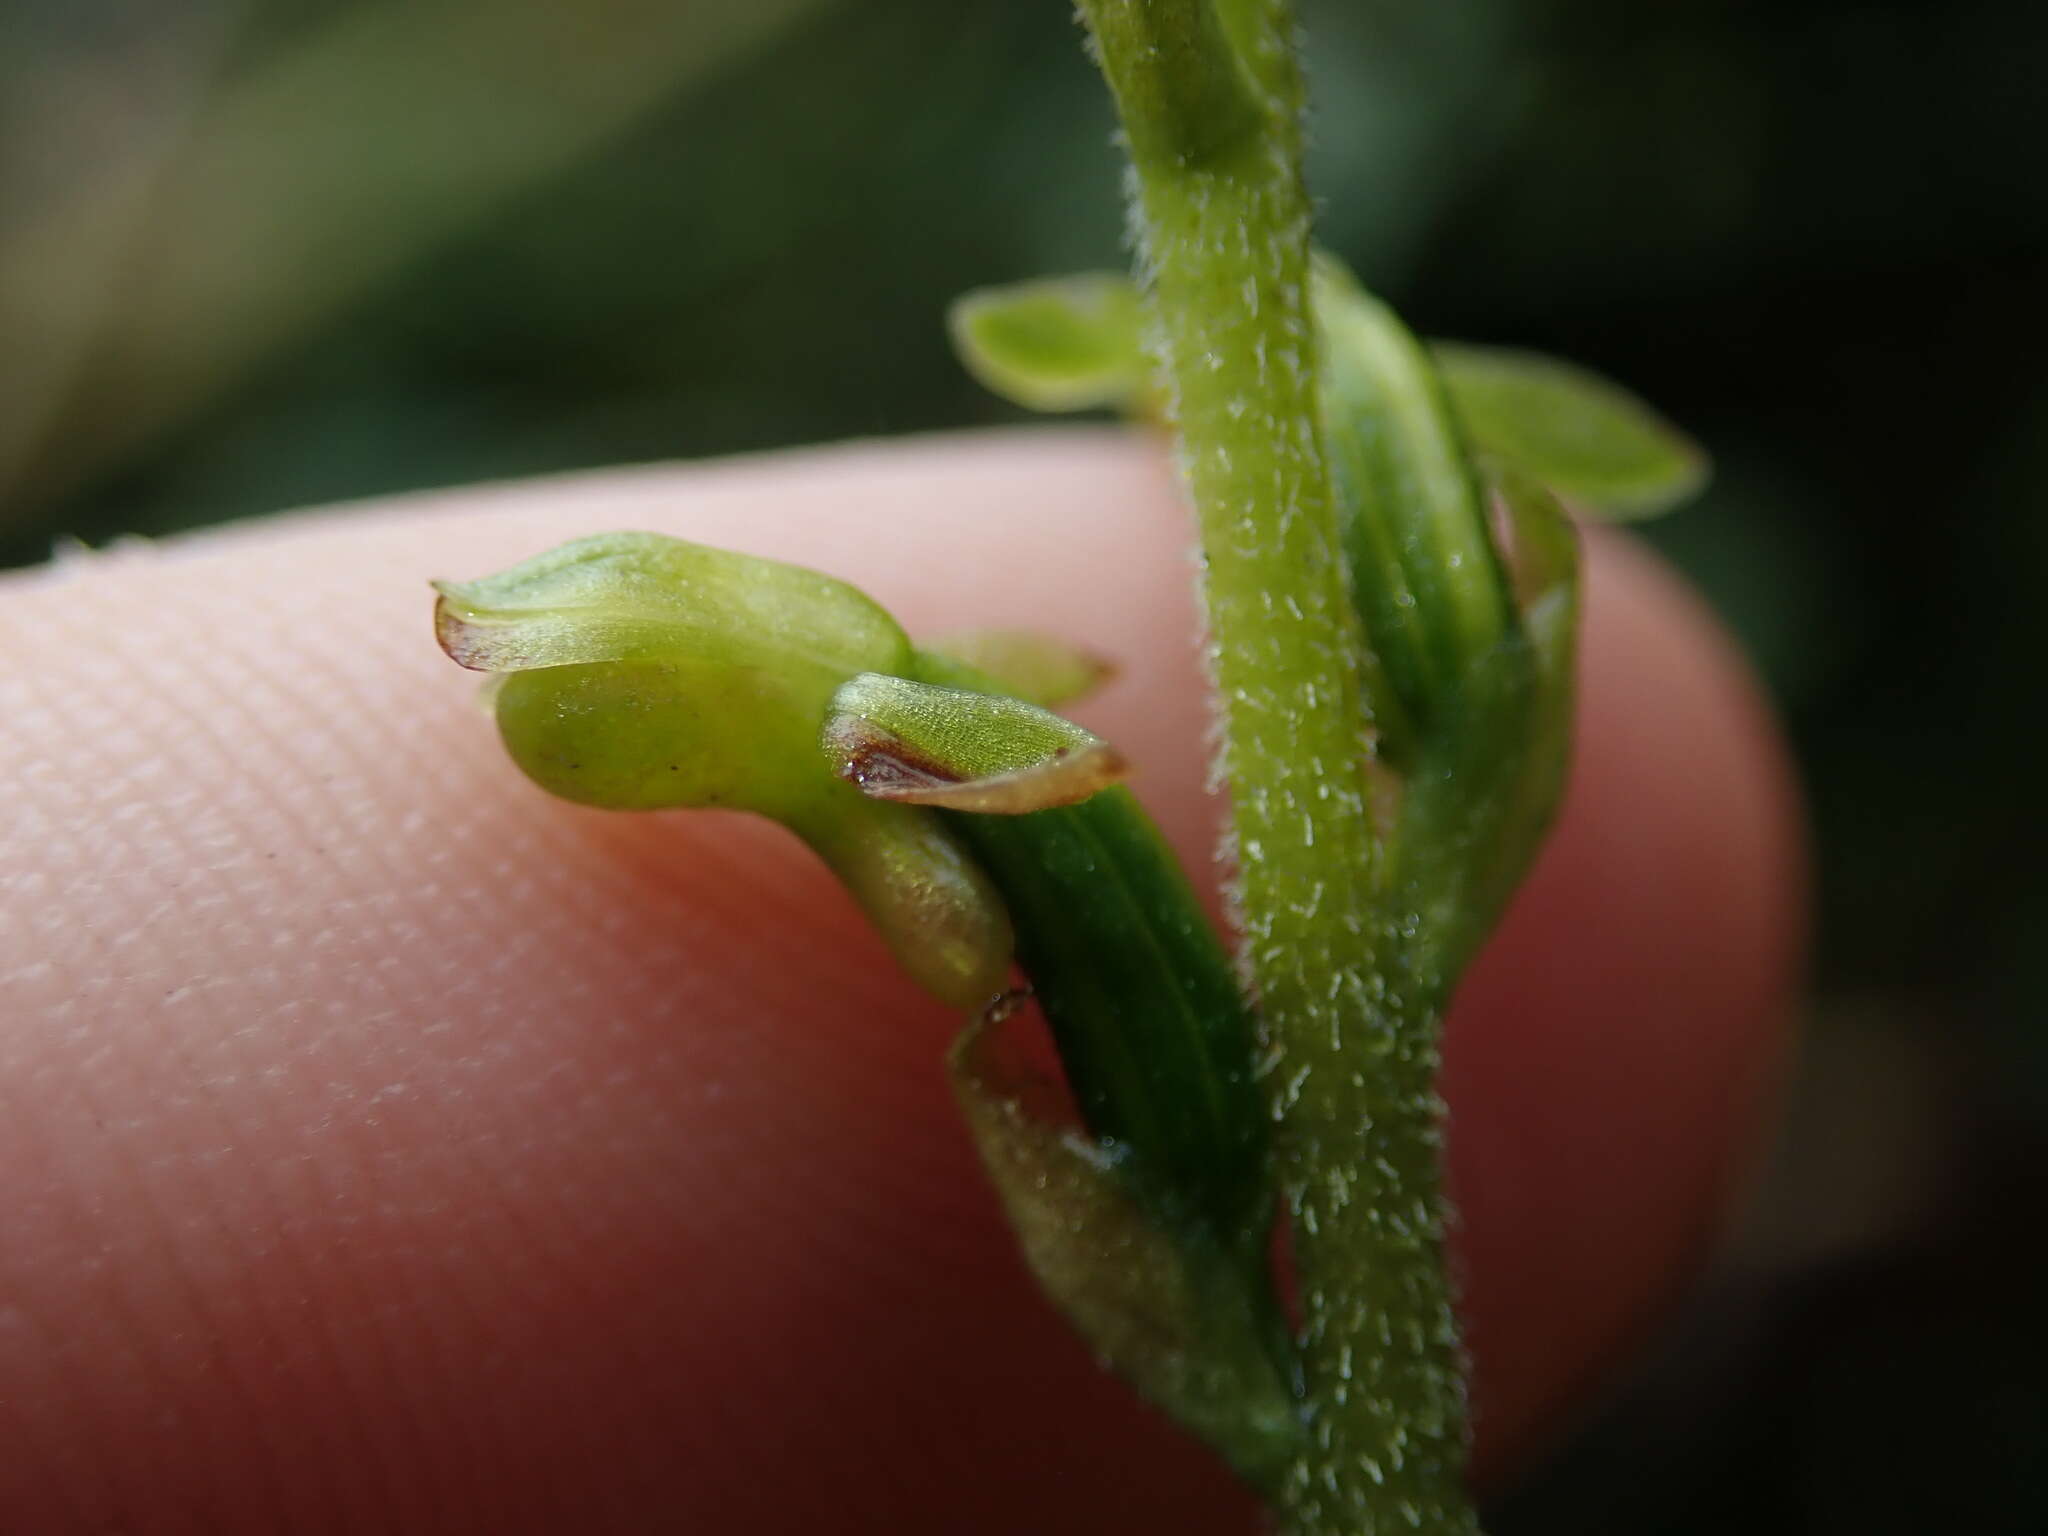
x: 386, y: 1146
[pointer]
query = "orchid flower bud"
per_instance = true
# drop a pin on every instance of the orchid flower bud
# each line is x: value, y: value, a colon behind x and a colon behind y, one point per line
x: 642, y: 672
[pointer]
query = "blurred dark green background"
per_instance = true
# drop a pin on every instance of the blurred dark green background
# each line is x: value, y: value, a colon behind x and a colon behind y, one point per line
x: 257, y: 253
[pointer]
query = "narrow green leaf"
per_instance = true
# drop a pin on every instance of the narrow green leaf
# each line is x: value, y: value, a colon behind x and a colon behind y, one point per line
x: 1586, y: 437
x: 961, y: 750
x: 1152, y: 1028
x: 1058, y: 344
x: 1151, y: 1232
x: 1190, y: 1327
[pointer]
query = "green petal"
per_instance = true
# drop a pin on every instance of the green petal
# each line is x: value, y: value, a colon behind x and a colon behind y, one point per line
x: 1058, y: 344
x: 1587, y: 438
x: 964, y: 751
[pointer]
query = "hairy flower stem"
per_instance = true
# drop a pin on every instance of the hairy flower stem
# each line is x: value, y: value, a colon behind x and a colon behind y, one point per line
x: 1210, y: 98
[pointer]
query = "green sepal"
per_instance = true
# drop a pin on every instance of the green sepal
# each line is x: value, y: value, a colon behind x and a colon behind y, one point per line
x: 1193, y: 1328
x: 651, y: 597
x: 1586, y: 437
x: 1026, y: 663
x: 961, y: 750
x: 1056, y: 344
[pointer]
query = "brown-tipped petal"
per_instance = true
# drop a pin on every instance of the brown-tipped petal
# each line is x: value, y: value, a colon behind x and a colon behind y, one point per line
x: 961, y: 750
x: 887, y: 768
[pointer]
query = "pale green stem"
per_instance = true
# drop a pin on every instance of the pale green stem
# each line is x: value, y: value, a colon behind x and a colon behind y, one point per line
x: 1210, y: 102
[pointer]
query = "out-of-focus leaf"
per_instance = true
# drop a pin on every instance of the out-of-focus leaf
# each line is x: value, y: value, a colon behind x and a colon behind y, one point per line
x: 1058, y: 344
x: 961, y: 750
x: 374, y: 134
x: 1587, y: 438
